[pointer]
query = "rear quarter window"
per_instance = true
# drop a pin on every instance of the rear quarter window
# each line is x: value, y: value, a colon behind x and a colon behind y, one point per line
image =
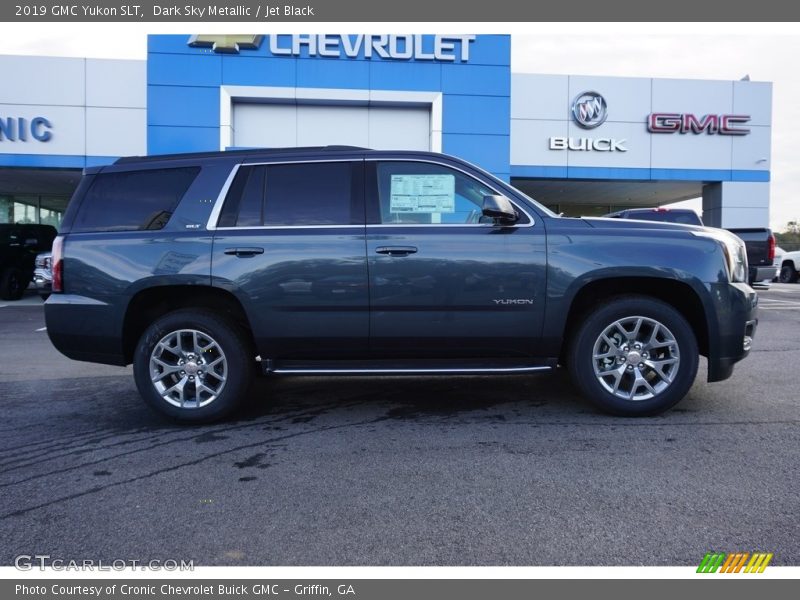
x: 133, y: 200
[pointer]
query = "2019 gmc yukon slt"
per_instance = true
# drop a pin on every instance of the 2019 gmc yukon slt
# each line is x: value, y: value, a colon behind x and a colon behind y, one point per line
x: 201, y: 269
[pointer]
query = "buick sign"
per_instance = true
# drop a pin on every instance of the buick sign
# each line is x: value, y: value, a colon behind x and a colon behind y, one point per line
x: 589, y: 110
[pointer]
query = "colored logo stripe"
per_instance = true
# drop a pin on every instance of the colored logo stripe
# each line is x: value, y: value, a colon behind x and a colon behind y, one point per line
x: 711, y: 562
x: 758, y: 563
x: 734, y: 562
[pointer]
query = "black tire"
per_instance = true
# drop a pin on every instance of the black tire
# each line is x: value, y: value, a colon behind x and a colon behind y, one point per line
x: 629, y: 309
x: 231, y: 343
x: 788, y: 273
x: 12, y: 284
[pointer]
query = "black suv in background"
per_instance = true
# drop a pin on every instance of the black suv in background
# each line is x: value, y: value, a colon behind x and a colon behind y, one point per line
x: 201, y: 268
x: 19, y: 245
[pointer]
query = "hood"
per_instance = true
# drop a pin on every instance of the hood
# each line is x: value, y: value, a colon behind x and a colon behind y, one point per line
x: 610, y: 223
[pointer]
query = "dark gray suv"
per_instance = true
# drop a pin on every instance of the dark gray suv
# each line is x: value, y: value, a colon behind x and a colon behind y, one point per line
x: 201, y: 269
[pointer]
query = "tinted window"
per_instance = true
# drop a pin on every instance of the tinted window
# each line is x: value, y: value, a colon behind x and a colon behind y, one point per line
x: 251, y: 204
x: 292, y: 194
x: 310, y: 194
x: 133, y: 200
x: 416, y: 192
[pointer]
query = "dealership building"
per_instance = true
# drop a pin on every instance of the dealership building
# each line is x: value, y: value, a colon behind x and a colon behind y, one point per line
x: 582, y: 145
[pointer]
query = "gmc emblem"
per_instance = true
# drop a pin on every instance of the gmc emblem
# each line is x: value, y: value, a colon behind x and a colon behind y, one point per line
x: 688, y: 123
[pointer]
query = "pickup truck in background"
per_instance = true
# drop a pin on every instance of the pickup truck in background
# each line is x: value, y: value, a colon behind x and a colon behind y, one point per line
x: 759, y: 241
x: 789, y: 267
x: 19, y: 245
x: 760, y: 245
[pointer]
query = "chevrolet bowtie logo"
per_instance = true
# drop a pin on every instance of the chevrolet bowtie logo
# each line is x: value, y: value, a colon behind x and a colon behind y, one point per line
x: 226, y: 43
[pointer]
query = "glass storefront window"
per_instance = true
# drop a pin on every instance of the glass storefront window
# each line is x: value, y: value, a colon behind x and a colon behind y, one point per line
x: 46, y: 210
x: 51, y: 209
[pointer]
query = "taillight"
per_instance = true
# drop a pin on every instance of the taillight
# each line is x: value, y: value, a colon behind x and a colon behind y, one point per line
x: 58, y: 264
x: 771, y: 249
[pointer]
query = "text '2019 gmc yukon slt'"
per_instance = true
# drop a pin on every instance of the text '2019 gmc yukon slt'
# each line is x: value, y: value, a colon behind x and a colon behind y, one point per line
x: 201, y: 268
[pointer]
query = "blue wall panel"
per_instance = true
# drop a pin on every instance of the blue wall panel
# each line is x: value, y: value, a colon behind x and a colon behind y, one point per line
x: 332, y: 73
x: 477, y: 114
x: 489, y: 152
x: 183, y: 90
x: 182, y: 105
x: 169, y: 140
x: 248, y: 70
x: 386, y: 75
x: 636, y: 174
x: 476, y: 80
x: 179, y: 69
x: 54, y: 161
x: 491, y: 50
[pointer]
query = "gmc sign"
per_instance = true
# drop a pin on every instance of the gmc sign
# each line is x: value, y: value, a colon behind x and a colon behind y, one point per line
x: 688, y: 123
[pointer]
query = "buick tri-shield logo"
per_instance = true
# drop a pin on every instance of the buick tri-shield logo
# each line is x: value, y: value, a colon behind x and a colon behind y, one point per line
x: 589, y: 110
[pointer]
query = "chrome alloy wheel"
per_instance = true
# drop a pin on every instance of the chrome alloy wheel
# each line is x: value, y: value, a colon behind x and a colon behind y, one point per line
x: 636, y: 358
x: 188, y: 368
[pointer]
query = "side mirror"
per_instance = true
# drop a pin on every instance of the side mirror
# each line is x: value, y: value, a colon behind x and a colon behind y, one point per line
x: 499, y: 207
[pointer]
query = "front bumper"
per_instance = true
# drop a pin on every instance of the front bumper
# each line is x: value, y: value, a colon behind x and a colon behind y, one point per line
x: 736, y: 310
x: 42, y: 281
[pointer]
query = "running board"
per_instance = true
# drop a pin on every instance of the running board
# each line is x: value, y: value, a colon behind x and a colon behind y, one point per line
x: 429, y: 367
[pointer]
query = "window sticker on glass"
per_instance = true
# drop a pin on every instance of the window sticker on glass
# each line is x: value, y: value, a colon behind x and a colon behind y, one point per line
x: 422, y: 194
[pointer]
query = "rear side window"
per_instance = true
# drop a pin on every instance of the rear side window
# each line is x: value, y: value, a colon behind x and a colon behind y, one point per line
x: 299, y: 194
x: 133, y: 200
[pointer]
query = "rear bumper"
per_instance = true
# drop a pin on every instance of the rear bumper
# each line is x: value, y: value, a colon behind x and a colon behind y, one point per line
x: 768, y: 272
x: 736, y: 308
x: 83, y: 328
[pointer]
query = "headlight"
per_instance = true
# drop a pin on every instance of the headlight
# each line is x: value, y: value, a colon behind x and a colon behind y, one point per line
x: 734, y: 250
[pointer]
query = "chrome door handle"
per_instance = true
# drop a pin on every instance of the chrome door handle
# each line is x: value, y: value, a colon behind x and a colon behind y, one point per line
x: 396, y: 250
x: 244, y: 252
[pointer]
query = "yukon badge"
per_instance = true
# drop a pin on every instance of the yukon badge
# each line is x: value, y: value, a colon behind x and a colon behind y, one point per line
x: 513, y: 300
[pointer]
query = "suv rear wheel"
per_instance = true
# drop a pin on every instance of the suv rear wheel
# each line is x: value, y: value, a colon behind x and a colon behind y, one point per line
x: 634, y: 356
x: 193, y: 366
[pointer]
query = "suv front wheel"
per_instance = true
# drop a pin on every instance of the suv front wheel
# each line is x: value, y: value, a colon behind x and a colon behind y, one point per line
x: 634, y: 356
x: 193, y: 366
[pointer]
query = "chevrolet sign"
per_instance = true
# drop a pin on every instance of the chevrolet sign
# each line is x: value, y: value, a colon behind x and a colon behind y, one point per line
x: 445, y: 48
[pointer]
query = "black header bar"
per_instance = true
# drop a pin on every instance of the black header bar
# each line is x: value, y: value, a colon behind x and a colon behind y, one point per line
x: 449, y: 11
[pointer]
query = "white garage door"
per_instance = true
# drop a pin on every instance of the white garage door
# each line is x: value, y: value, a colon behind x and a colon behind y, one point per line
x: 378, y: 127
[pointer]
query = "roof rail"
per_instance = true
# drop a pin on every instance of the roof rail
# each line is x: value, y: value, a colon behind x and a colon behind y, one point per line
x: 244, y: 153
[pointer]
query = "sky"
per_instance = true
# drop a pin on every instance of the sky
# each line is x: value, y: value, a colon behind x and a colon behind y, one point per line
x: 763, y: 57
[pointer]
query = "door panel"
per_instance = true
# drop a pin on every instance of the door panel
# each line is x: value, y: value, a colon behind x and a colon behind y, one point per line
x: 448, y: 284
x: 306, y: 294
x: 291, y: 247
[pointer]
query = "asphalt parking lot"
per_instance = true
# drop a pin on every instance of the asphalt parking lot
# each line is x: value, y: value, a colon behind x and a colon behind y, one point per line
x: 512, y: 470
